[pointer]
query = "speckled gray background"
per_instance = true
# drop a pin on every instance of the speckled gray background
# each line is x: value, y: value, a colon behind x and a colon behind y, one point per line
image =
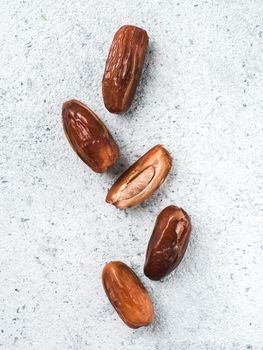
x: 201, y: 95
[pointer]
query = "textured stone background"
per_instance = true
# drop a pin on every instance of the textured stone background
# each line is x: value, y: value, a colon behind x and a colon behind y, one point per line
x: 201, y: 96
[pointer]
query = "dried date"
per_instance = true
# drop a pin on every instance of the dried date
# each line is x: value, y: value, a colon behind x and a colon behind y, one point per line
x: 127, y: 295
x: 123, y: 68
x: 168, y: 242
x: 88, y: 136
x: 142, y: 179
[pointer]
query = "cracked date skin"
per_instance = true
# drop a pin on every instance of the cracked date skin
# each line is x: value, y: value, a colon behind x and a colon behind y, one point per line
x: 168, y: 242
x: 88, y: 136
x: 142, y: 179
x: 127, y: 295
x: 123, y: 68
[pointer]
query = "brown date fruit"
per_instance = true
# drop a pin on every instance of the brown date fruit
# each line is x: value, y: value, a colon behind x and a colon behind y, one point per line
x: 123, y: 68
x: 142, y: 179
x: 127, y: 295
x: 168, y: 242
x: 88, y: 136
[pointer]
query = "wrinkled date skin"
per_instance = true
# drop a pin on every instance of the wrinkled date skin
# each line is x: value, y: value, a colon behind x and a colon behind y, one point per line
x: 123, y: 68
x: 127, y: 295
x: 168, y: 242
x: 88, y: 136
x: 142, y: 179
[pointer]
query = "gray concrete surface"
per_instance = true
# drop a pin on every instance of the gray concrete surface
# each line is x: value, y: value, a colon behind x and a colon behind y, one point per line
x: 201, y: 96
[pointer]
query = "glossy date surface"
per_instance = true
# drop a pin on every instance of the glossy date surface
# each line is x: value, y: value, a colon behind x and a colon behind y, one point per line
x: 168, y: 242
x: 123, y: 68
x: 88, y: 136
x: 127, y: 295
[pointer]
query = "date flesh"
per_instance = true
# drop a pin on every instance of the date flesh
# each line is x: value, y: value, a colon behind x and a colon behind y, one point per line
x: 168, y: 242
x: 142, y: 179
x: 88, y: 136
x: 123, y: 68
x: 127, y: 295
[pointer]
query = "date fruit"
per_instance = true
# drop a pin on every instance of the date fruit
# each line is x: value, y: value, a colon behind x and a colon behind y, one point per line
x: 88, y: 136
x: 127, y: 295
x: 123, y: 68
x: 142, y: 179
x: 168, y: 242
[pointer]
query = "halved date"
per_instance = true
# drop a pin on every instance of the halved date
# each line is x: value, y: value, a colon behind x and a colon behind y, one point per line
x: 127, y: 295
x: 142, y: 179
x: 123, y: 68
x: 168, y: 242
x: 88, y: 136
